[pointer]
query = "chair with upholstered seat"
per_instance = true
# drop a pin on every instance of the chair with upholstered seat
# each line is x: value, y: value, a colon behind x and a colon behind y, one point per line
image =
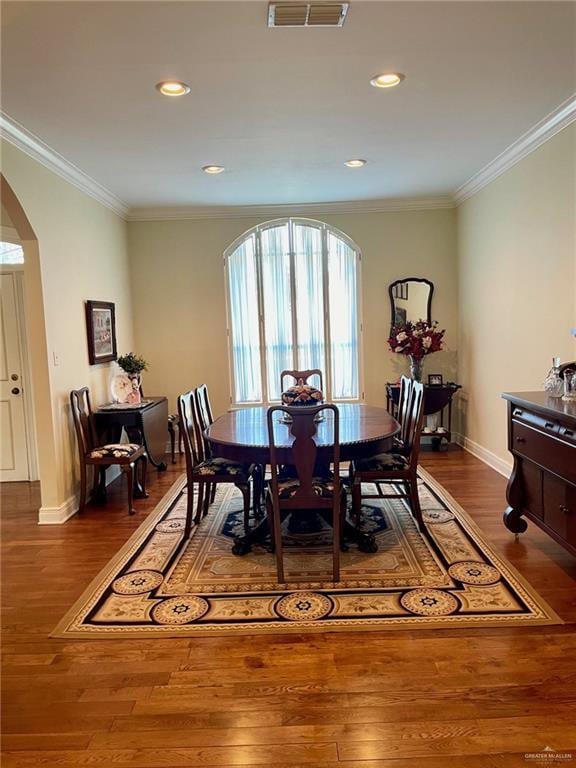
x: 128, y: 456
x: 303, y: 376
x: 399, y: 466
x: 305, y: 488
x: 207, y: 472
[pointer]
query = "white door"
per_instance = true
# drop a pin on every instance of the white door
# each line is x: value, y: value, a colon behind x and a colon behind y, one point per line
x: 13, y: 448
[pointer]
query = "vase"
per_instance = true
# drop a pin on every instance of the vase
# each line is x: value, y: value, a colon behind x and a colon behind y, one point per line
x: 135, y: 397
x: 416, y: 365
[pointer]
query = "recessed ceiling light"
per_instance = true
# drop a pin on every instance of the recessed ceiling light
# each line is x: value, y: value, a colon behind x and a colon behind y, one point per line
x: 387, y: 80
x: 173, y: 88
x: 358, y: 163
x: 212, y: 168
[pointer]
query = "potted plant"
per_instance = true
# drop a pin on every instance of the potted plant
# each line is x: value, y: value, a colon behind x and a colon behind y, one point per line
x: 133, y: 365
x: 416, y: 340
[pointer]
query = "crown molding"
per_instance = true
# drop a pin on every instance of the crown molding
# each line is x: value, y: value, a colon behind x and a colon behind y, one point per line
x: 31, y: 145
x: 527, y: 143
x: 191, y: 213
x: 35, y: 148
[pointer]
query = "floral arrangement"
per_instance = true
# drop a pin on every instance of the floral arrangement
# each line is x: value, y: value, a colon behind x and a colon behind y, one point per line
x: 302, y: 394
x: 416, y: 339
x: 131, y: 363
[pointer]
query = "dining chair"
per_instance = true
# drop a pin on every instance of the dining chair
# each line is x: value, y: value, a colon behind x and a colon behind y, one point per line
x: 305, y: 489
x: 125, y: 455
x: 304, y: 376
x: 205, y: 471
x: 399, y: 468
x: 205, y: 419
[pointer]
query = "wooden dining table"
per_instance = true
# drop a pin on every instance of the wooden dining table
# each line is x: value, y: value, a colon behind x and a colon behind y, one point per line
x: 242, y: 435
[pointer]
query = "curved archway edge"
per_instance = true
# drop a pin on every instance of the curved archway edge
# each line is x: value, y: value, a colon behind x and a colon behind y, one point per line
x: 42, y: 418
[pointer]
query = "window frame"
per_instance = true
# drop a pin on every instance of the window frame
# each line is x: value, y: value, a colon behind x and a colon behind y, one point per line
x: 325, y: 229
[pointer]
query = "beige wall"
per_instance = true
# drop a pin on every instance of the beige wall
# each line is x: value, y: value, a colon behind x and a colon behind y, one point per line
x: 82, y: 254
x: 517, y: 286
x: 179, y: 294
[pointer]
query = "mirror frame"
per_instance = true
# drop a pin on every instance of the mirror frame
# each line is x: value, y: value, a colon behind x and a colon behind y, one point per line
x: 414, y: 280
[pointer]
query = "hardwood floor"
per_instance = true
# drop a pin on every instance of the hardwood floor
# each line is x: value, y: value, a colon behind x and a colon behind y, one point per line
x: 403, y: 699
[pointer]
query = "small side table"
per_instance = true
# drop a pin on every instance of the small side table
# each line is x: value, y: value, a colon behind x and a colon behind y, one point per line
x: 436, y: 400
x: 144, y: 424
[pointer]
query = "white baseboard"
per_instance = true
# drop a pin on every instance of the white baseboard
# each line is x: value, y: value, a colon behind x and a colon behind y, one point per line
x: 58, y: 515
x: 494, y: 462
x: 68, y: 508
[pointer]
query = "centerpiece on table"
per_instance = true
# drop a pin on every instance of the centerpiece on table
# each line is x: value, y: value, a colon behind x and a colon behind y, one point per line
x: 416, y: 341
x: 301, y: 395
x: 126, y: 387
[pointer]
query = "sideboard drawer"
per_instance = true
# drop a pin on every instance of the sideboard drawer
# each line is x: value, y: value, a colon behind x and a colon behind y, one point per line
x: 535, y: 420
x: 560, y: 507
x: 546, y: 450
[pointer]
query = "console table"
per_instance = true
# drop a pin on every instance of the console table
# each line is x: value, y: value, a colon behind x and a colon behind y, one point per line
x: 145, y: 424
x: 436, y: 400
x: 542, y: 487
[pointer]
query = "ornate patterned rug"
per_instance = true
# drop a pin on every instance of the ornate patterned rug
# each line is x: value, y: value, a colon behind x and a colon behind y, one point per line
x: 157, y: 587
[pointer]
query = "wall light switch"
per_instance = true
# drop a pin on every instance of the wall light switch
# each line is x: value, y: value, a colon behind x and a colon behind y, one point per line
x: 56, y: 357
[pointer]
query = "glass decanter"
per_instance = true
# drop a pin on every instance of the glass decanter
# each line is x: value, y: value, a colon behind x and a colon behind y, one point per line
x: 554, y: 383
x: 569, y: 385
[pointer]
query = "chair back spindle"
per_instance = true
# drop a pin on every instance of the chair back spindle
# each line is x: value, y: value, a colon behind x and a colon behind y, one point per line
x: 83, y: 420
x: 204, y: 414
x: 412, y: 425
x: 404, y: 402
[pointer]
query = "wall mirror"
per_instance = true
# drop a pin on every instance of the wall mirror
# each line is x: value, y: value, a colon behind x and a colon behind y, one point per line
x: 411, y: 300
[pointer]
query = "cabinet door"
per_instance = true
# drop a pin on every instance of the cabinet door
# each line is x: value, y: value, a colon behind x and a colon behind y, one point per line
x: 532, y: 489
x: 560, y: 507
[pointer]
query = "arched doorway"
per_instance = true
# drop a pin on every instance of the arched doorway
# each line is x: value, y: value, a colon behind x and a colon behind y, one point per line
x: 34, y: 380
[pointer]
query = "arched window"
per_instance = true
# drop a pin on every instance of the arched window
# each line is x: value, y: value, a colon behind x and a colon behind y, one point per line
x: 293, y: 299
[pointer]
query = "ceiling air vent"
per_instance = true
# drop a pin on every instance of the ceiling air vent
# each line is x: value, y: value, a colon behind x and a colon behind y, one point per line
x: 307, y: 14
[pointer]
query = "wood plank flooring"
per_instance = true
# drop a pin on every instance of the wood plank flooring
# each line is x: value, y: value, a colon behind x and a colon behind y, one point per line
x: 402, y: 699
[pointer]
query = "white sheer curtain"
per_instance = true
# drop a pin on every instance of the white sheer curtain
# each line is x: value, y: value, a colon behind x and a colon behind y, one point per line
x: 245, y: 338
x: 343, y: 303
x: 308, y: 275
x: 292, y: 261
x: 277, y: 299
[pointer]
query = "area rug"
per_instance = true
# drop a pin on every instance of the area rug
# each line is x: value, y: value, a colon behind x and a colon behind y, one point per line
x: 157, y: 586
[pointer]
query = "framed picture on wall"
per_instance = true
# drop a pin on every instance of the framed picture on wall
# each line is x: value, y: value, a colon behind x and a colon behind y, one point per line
x: 399, y: 316
x: 101, y: 330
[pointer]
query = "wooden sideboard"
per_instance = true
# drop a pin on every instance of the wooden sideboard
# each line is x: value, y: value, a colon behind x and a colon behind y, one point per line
x: 542, y: 487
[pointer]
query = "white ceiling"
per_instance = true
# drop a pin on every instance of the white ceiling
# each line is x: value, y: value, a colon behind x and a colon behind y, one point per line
x: 282, y: 109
